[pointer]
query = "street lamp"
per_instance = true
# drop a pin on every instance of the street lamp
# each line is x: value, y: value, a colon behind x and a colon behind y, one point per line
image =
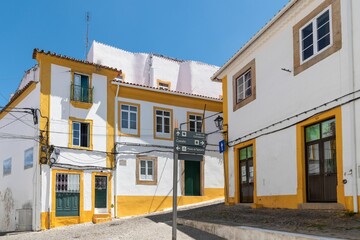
x: 219, y: 122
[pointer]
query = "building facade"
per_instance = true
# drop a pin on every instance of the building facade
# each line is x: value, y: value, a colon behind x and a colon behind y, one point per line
x: 80, y: 143
x: 291, y: 111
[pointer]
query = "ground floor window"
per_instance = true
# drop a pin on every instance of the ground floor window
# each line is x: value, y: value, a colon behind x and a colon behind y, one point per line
x: 146, y: 170
x: 67, y: 188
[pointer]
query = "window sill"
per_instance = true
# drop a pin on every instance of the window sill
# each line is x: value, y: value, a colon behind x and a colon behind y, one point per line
x: 81, y: 148
x: 144, y: 182
x: 129, y: 135
x: 83, y: 105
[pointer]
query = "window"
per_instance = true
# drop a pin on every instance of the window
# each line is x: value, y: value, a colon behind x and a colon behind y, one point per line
x: 80, y: 89
x: 164, y: 85
x: 163, y: 119
x: 67, y: 188
x: 80, y: 133
x: 7, y: 167
x: 317, y: 36
x: 28, y: 158
x: 244, y: 86
x: 195, y: 122
x: 146, y: 170
x: 129, y: 119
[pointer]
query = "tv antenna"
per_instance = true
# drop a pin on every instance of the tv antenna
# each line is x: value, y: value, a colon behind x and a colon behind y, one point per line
x: 87, y: 19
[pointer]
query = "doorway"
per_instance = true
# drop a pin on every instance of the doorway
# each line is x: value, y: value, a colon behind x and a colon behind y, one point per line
x: 246, y: 173
x: 101, y: 194
x: 192, y: 178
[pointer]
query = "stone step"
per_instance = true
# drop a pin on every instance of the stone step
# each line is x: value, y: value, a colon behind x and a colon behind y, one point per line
x: 101, y: 218
x: 321, y: 206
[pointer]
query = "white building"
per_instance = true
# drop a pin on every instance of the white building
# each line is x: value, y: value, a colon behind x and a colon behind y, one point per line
x: 291, y: 109
x: 102, y: 141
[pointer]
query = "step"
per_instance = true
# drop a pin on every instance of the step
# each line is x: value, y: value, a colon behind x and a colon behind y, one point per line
x: 101, y: 218
x: 321, y: 206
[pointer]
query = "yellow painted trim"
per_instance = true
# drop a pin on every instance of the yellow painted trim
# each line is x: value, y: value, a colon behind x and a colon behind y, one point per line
x: 109, y: 190
x: 137, y: 120
x: 18, y: 99
x: 349, y: 203
x: 164, y: 97
x: 171, y: 122
x: 236, y: 168
x: 196, y: 114
x: 136, y: 205
x: 83, y: 105
x: 158, y: 81
x: 277, y: 201
x: 110, y: 124
x: 90, y: 122
x: 226, y: 129
x: 63, y: 221
x: 300, y: 151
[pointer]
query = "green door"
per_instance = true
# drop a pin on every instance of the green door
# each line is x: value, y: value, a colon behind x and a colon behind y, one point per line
x: 100, y: 191
x: 67, y: 189
x: 192, y: 178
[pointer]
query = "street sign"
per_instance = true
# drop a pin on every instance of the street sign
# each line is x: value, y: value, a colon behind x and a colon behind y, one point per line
x: 189, y: 134
x: 190, y: 157
x: 222, y: 146
x: 190, y: 142
x: 189, y: 149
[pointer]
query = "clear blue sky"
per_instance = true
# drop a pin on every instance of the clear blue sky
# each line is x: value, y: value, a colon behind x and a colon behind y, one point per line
x: 209, y: 31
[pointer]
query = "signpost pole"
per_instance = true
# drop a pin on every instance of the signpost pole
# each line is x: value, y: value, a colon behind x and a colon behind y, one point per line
x: 175, y: 176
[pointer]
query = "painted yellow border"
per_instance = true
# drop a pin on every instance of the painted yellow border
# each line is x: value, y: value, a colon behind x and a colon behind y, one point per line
x: 171, y: 122
x: 158, y: 81
x: 137, y: 120
x: 196, y: 114
x: 300, y: 150
x: 78, y: 104
x: 63, y: 221
x: 109, y: 190
x: 236, y: 168
x: 90, y: 122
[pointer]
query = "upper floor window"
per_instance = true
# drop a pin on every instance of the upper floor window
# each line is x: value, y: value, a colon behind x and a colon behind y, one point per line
x: 316, y: 35
x: 244, y: 86
x: 129, y: 118
x: 195, y: 122
x: 80, y: 133
x: 163, y: 120
x: 80, y: 89
x: 146, y: 170
x: 164, y: 85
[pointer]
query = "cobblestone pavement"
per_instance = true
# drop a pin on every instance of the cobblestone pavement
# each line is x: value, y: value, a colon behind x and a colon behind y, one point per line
x: 132, y: 228
x: 327, y: 223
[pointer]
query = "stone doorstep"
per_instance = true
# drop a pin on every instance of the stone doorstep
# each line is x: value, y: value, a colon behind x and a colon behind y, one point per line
x: 321, y: 206
x: 247, y: 233
x: 101, y: 218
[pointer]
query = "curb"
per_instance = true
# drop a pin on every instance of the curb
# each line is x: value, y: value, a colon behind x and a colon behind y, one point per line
x: 247, y: 233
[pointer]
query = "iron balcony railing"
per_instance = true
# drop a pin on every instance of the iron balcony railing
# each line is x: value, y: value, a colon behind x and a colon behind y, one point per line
x: 81, y: 94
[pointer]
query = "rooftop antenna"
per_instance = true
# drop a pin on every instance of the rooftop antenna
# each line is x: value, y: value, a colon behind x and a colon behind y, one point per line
x: 87, y: 19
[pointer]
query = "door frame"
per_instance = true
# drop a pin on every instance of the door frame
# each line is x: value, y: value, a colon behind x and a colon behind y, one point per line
x: 237, y: 167
x: 301, y: 151
x: 109, y: 190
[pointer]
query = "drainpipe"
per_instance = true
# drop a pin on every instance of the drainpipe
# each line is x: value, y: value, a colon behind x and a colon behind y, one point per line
x: 115, y: 154
x: 352, y: 79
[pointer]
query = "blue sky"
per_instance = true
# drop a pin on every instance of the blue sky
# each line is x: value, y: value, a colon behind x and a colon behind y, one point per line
x: 209, y: 31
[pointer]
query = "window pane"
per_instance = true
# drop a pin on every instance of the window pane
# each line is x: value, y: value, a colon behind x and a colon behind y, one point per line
x: 142, y: 164
x: 199, y: 118
x: 243, y: 173
x: 328, y: 128
x: 132, y: 108
x: 250, y: 151
x: 198, y: 127
x: 167, y: 125
x: 84, y: 140
x: 313, y: 133
x: 324, y: 42
x: 192, y: 126
x: 307, y: 31
x: 124, y: 107
x: 132, y: 124
x: 330, y: 157
x: 248, y: 92
x: 132, y: 116
x: 158, y: 124
x: 142, y: 171
x: 323, y: 19
x: 158, y: 112
x: 166, y: 113
x: 308, y: 53
x: 124, y: 119
x: 313, y: 159
x: 243, y: 154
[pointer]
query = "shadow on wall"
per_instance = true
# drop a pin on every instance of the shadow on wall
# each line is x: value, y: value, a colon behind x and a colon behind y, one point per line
x: 6, y: 210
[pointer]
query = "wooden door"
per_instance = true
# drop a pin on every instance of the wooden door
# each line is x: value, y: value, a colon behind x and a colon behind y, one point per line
x: 246, y: 173
x: 192, y: 178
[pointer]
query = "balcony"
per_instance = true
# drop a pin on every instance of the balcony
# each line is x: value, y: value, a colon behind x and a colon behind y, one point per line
x: 80, y: 96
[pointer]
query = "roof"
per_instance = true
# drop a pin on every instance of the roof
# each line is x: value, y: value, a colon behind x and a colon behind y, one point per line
x: 254, y: 38
x: 164, y: 90
x: 37, y: 51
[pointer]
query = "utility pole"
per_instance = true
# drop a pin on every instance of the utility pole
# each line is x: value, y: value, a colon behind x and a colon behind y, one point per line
x: 87, y: 19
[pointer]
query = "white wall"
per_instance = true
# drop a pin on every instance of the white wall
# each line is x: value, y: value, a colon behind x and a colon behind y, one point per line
x: 17, y: 190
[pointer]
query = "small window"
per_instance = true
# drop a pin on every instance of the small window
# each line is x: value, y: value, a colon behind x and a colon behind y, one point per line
x: 81, y: 134
x: 28, y: 158
x: 163, y: 119
x: 195, y: 122
x: 164, y: 85
x: 129, y: 118
x: 316, y: 35
x: 80, y: 89
x: 146, y: 170
x: 7, y: 167
x: 244, y: 86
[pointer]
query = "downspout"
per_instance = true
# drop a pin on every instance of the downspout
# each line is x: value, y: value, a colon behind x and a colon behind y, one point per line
x: 352, y: 79
x: 115, y: 154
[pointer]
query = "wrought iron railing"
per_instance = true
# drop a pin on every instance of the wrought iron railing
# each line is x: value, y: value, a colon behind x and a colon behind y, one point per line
x: 81, y: 94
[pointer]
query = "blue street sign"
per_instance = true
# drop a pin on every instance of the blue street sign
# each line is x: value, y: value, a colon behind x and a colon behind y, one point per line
x: 222, y: 146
